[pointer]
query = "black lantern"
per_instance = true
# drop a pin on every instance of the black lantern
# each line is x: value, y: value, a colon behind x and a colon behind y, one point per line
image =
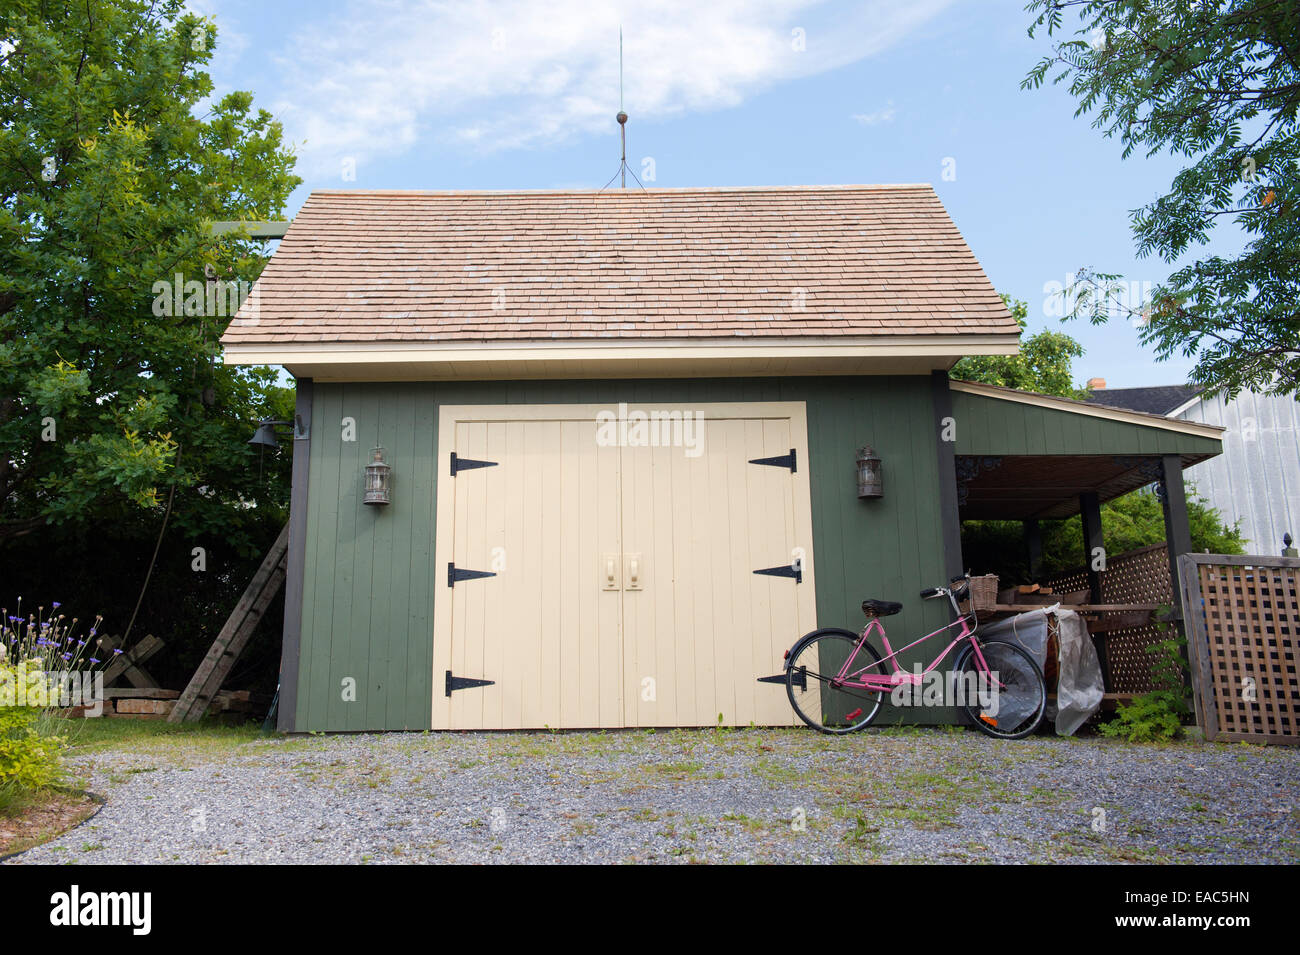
x: 379, y: 480
x: 869, y: 480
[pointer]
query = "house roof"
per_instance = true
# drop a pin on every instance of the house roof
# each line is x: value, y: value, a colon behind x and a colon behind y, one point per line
x: 1157, y: 400
x: 836, y: 264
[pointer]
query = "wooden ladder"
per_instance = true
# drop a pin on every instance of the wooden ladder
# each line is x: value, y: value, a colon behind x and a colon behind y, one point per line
x: 232, y: 639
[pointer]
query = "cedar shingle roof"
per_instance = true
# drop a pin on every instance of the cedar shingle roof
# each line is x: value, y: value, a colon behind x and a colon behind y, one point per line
x: 666, y: 264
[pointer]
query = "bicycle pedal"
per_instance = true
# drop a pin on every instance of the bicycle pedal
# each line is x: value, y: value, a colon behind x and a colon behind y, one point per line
x: 854, y: 715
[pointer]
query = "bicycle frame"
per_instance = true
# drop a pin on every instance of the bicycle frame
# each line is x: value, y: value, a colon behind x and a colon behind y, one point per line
x: 887, y: 681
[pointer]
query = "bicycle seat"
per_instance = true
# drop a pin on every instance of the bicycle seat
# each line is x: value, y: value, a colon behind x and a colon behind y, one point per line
x: 880, y: 608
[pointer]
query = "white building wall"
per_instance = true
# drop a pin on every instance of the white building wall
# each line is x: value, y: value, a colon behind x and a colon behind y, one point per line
x: 1256, y: 480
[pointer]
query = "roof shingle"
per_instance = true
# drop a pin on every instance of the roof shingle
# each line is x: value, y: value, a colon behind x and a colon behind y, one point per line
x: 835, y: 261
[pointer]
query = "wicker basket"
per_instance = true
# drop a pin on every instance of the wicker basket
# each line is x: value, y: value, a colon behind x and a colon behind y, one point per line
x: 984, y: 593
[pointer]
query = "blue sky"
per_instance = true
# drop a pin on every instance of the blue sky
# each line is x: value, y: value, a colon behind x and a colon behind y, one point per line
x: 503, y: 95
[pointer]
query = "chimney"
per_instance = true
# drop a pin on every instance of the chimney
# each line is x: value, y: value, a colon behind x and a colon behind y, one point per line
x: 1096, y: 384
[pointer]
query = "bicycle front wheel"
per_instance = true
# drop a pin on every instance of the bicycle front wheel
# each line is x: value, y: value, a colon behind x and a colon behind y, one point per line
x: 814, y: 664
x: 1008, y: 702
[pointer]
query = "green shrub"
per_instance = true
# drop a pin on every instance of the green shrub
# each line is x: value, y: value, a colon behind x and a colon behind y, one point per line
x: 30, y: 752
x: 1155, y: 716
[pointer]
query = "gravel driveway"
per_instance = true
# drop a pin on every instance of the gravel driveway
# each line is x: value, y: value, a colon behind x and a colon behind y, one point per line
x: 747, y: 795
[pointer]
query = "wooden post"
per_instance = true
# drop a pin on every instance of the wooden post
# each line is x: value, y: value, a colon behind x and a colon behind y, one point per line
x: 1034, y: 548
x: 1093, y: 542
x: 287, y: 701
x: 1178, y: 530
x: 949, y: 515
x: 1188, y: 588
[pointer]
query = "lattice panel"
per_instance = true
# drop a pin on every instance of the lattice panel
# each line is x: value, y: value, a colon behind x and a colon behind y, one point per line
x: 1068, y: 583
x: 1140, y: 577
x: 1129, y: 660
x: 1250, y: 641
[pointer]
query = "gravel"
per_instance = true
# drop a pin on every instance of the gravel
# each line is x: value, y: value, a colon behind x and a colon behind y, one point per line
x: 749, y: 795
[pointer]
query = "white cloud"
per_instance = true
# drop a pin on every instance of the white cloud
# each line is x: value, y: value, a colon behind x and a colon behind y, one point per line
x: 880, y: 116
x: 508, y: 74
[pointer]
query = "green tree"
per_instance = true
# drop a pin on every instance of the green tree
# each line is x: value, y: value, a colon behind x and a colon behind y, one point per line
x: 1043, y: 365
x: 114, y: 159
x: 1129, y: 522
x: 1217, y: 84
x: 1137, y: 520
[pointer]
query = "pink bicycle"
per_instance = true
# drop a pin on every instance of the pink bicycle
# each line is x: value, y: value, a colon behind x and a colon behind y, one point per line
x: 837, y: 681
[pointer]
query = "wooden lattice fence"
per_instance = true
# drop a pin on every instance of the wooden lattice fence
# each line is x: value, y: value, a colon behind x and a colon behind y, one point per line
x: 1243, y: 631
x: 1137, y: 577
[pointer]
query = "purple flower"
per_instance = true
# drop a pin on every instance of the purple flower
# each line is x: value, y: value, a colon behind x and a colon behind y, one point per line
x: 117, y: 652
x: 67, y: 656
x: 56, y: 605
x: 93, y: 660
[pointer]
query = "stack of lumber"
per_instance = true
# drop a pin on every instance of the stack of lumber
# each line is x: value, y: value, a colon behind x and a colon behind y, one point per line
x: 153, y: 703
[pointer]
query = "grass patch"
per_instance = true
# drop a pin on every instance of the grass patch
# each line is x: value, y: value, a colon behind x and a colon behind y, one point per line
x: 160, y: 736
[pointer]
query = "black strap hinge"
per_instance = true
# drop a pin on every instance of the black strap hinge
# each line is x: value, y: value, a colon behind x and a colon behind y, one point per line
x: 781, y: 461
x: 464, y: 683
x: 799, y: 678
x: 468, y: 464
x: 455, y: 573
x: 785, y: 570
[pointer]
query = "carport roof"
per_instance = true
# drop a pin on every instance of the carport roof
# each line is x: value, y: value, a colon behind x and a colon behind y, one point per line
x: 1023, y: 456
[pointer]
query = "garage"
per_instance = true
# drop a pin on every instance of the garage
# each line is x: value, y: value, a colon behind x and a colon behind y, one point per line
x: 615, y: 566
x: 656, y: 400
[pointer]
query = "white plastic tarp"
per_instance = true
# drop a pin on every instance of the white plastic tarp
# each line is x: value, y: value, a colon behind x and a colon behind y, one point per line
x: 1079, y: 689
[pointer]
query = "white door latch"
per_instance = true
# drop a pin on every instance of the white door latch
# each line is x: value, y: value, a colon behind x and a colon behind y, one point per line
x: 634, y: 571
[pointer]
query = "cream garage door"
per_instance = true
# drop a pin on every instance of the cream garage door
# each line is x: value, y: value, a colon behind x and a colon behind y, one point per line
x: 619, y: 566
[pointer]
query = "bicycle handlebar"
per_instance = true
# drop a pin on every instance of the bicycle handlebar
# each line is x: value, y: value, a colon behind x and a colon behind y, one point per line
x: 931, y: 592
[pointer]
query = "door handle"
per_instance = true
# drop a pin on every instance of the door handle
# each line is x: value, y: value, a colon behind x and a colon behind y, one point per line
x: 609, y: 572
x: 634, y: 572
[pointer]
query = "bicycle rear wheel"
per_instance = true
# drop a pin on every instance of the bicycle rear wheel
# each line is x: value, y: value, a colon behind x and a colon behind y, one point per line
x: 1011, y: 705
x: 814, y: 663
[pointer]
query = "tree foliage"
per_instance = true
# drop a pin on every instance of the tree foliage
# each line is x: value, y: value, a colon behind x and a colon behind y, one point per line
x: 117, y: 418
x: 1043, y: 365
x: 1216, y: 82
x: 114, y: 157
x: 1129, y: 522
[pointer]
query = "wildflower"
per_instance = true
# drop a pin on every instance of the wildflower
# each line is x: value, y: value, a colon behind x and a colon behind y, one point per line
x: 56, y: 605
x: 117, y: 652
x: 92, y: 659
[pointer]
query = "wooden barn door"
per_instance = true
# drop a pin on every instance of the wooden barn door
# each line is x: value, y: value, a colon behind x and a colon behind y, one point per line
x: 700, y: 626
x: 592, y: 583
x: 531, y: 515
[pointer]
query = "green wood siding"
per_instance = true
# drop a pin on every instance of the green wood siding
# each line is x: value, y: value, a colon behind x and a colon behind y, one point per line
x: 996, y: 426
x: 370, y: 579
